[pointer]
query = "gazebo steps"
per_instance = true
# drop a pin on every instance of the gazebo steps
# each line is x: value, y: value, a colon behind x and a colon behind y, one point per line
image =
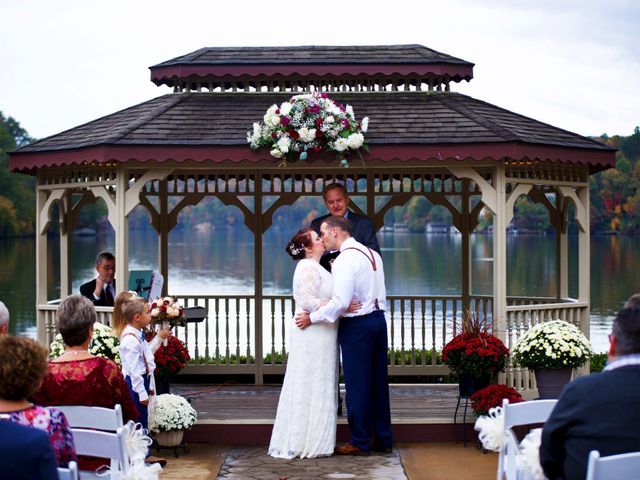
x: 244, y: 414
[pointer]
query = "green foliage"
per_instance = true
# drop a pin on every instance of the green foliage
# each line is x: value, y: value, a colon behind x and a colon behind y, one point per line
x: 597, y: 362
x: 17, y: 197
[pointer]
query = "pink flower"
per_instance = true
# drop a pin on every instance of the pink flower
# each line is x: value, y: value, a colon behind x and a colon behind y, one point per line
x: 285, y: 120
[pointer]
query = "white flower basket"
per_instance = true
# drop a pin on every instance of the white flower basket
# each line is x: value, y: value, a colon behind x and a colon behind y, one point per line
x: 172, y: 412
x: 171, y: 438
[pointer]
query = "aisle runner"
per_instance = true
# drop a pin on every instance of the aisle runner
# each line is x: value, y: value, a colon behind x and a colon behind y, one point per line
x: 253, y: 463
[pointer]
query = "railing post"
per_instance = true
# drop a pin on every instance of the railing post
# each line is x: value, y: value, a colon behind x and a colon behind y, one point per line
x: 258, y: 233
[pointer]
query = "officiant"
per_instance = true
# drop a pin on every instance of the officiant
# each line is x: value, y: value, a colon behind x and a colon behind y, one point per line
x: 336, y: 199
x: 102, y: 290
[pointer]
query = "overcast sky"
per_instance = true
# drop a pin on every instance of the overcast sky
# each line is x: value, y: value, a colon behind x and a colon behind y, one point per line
x: 572, y: 64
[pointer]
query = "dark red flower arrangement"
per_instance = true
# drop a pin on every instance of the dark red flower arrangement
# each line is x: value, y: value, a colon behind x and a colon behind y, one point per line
x: 477, y: 353
x: 171, y: 359
x: 492, y: 396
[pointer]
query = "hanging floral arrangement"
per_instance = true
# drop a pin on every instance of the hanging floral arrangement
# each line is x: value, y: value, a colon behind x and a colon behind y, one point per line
x: 309, y: 123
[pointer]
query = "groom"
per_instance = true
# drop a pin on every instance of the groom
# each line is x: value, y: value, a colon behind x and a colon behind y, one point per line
x: 358, y: 274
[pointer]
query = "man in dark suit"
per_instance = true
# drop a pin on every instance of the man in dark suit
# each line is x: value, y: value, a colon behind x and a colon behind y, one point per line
x: 102, y: 290
x: 336, y: 200
x: 599, y: 411
x: 25, y: 453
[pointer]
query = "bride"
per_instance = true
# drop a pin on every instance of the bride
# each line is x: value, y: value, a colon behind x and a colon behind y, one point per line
x: 305, y: 424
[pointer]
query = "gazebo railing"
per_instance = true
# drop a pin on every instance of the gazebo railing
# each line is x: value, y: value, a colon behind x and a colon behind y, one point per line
x: 418, y: 328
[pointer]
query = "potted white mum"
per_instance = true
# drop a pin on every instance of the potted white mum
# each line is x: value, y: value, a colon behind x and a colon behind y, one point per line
x: 552, y: 349
x: 172, y: 415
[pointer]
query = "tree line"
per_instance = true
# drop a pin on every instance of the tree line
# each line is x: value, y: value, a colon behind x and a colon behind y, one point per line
x: 615, y: 199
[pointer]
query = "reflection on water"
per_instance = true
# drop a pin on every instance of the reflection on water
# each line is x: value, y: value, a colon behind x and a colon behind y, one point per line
x: 221, y: 262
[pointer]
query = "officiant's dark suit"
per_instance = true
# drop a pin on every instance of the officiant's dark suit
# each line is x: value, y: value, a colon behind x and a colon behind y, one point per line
x: 336, y: 200
x: 598, y: 411
x: 106, y: 268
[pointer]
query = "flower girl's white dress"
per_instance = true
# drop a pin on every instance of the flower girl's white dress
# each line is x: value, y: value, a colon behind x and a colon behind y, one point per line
x: 305, y: 424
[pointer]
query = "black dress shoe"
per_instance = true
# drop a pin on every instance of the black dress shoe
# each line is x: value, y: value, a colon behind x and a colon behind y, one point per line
x: 382, y: 449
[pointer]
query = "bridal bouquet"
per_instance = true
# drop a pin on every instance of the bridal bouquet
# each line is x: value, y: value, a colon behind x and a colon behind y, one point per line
x: 310, y: 122
x: 103, y: 344
x: 167, y: 309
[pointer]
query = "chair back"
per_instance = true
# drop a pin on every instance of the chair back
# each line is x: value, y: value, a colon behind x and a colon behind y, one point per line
x: 107, y: 419
x: 69, y: 473
x: 515, y: 414
x: 100, y: 444
x: 614, y: 467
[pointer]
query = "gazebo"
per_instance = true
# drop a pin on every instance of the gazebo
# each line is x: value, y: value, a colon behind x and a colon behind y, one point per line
x: 425, y: 140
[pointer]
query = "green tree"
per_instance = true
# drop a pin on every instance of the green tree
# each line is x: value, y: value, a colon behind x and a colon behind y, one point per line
x: 17, y: 211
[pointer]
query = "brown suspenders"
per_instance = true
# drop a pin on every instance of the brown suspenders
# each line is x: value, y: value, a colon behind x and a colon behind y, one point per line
x: 372, y: 260
x: 144, y: 357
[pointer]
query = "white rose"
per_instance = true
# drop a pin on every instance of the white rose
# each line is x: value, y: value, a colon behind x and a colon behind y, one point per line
x: 285, y: 108
x: 155, y: 312
x: 275, y: 120
x: 329, y: 119
x: 276, y: 153
x: 307, y: 135
x: 341, y: 144
x: 349, y: 110
x: 355, y: 140
x: 283, y: 144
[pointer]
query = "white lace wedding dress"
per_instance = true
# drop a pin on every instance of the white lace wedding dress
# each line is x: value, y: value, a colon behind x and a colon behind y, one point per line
x: 305, y: 423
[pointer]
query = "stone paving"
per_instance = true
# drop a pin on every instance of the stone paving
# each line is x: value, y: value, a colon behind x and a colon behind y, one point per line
x: 249, y: 463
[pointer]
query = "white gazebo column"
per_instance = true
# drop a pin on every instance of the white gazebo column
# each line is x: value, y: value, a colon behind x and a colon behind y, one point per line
x: 121, y: 226
x: 500, y: 254
x: 562, y: 249
x: 584, y: 260
x: 65, y: 244
x: 42, y: 222
x: 163, y: 234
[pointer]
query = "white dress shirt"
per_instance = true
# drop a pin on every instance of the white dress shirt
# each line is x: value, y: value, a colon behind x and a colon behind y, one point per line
x: 354, y: 278
x: 131, y: 348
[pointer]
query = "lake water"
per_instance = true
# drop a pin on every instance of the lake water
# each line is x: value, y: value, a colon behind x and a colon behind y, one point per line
x: 221, y: 262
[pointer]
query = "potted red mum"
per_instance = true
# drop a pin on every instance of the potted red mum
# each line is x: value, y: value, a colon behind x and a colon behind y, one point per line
x: 475, y: 356
x: 492, y: 396
x: 169, y: 361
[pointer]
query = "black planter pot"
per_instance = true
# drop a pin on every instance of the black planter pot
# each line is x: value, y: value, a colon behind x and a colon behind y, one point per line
x: 469, y: 384
x: 162, y: 385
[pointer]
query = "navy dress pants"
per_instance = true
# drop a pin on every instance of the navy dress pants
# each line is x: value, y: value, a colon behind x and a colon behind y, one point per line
x: 363, y: 341
x: 143, y: 419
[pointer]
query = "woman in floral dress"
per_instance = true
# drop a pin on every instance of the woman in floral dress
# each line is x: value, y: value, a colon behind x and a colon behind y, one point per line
x: 23, y: 363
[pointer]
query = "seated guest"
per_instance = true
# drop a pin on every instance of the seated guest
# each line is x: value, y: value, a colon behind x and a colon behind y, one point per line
x: 25, y: 453
x: 77, y: 377
x: 23, y: 363
x: 102, y: 290
x: 598, y: 411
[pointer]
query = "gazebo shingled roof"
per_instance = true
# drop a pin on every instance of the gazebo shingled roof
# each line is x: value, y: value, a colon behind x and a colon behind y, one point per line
x: 432, y: 121
x: 251, y: 62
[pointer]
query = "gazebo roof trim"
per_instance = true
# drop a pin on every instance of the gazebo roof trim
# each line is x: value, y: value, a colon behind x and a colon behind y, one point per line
x: 399, y: 119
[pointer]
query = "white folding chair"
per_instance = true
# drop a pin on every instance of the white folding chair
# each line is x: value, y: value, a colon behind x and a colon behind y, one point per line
x: 107, y: 419
x: 69, y: 473
x: 614, y: 467
x: 103, y: 445
x: 523, y: 413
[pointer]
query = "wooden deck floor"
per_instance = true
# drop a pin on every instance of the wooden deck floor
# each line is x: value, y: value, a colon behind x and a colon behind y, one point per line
x: 418, y: 412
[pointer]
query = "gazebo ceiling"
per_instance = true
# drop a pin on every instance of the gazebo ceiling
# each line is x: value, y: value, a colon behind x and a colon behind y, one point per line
x: 403, y: 126
x: 223, y: 63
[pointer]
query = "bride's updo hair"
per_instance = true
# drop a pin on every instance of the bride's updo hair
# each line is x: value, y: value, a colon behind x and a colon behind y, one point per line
x: 299, y: 242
